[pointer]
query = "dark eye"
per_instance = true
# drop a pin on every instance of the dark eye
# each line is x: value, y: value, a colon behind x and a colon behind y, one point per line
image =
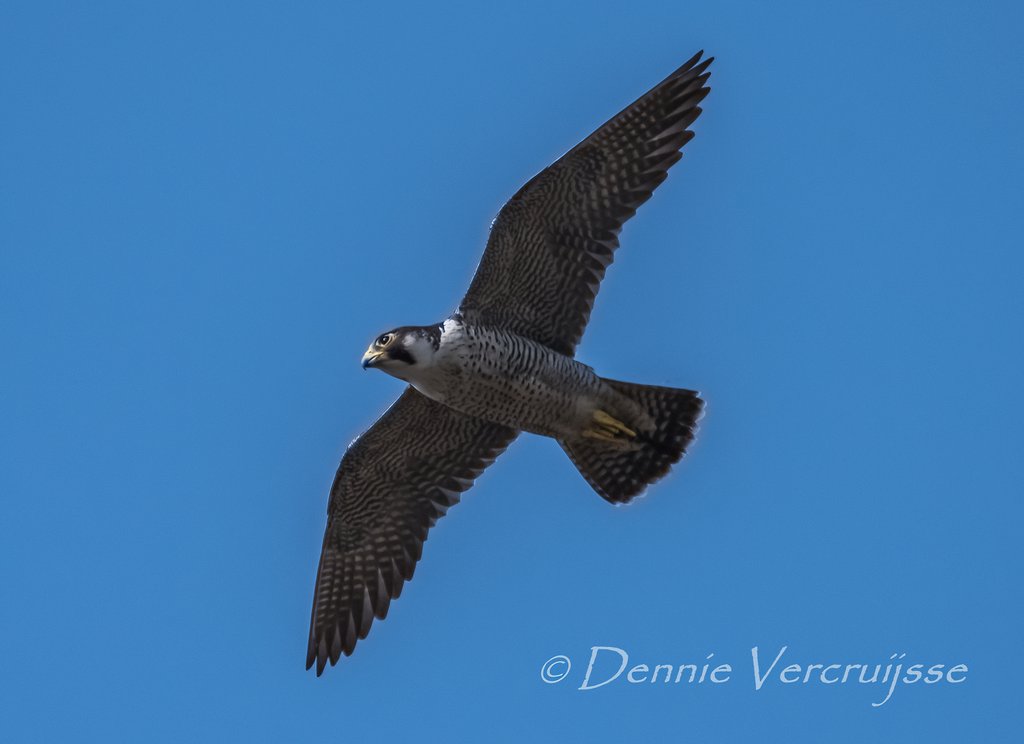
x: 384, y: 340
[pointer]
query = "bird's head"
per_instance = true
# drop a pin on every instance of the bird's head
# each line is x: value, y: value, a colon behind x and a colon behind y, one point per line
x: 402, y: 351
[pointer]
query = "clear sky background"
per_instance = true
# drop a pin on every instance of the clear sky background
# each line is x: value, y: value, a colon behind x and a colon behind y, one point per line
x: 207, y: 210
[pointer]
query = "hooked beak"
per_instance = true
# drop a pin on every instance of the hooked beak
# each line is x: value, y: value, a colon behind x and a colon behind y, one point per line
x: 370, y: 358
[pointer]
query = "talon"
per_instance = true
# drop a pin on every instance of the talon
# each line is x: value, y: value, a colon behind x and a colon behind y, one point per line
x: 612, y: 424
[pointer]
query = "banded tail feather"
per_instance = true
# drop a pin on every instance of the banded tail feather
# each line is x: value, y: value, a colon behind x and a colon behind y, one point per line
x: 620, y: 473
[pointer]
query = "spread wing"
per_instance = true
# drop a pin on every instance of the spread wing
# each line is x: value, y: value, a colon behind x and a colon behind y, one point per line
x: 393, y: 484
x: 551, y: 243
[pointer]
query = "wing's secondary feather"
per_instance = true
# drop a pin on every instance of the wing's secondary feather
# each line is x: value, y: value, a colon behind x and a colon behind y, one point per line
x: 393, y: 484
x: 551, y: 243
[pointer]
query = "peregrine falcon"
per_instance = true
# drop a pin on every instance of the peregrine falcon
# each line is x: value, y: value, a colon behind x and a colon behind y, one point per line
x: 503, y: 363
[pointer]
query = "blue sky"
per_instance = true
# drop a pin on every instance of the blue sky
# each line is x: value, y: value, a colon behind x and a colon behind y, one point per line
x: 208, y: 210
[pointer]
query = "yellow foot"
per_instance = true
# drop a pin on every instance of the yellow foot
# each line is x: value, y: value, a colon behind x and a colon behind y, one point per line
x: 607, y: 428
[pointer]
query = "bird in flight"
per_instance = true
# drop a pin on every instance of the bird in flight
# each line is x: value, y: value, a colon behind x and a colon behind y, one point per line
x: 503, y: 363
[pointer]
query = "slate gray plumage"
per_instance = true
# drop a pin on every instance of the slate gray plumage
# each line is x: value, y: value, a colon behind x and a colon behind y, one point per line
x: 503, y: 364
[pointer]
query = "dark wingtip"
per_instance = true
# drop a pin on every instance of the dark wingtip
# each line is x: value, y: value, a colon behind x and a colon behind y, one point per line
x: 310, y: 652
x: 692, y: 61
x: 690, y: 68
x: 701, y: 69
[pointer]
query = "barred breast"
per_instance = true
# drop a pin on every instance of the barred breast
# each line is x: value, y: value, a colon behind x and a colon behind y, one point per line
x: 508, y: 379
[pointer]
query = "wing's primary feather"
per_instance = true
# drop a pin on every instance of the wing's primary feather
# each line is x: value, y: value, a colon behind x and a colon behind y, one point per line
x: 552, y: 242
x: 393, y: 484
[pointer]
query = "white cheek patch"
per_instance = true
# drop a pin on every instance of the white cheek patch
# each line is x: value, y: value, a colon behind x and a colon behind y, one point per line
x: 408, y: 341
x: 450, y: 330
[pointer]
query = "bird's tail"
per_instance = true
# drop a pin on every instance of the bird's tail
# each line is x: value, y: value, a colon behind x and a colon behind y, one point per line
x: 620, y: 458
